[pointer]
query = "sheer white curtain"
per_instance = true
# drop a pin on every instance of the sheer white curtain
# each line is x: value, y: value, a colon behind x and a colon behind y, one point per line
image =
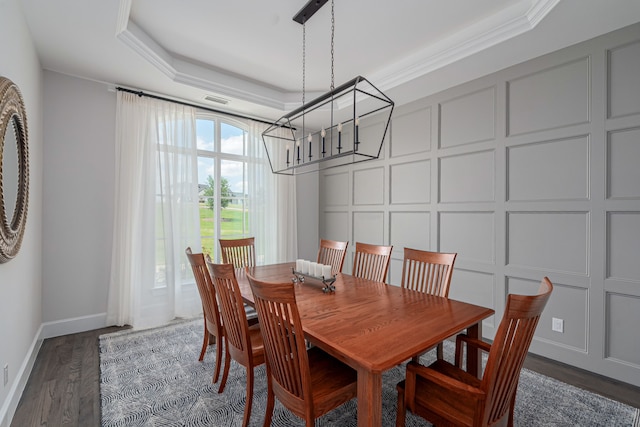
x: 156, y: 213
x: 272, y: 210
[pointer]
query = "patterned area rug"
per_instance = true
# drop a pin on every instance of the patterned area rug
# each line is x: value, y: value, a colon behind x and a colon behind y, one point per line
x: 153, y: 378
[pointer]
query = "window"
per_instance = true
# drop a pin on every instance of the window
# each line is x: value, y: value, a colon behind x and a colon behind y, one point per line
x: 222, y: 181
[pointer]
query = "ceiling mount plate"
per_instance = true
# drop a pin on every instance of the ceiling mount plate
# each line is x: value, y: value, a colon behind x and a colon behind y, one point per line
x: 308, y: 10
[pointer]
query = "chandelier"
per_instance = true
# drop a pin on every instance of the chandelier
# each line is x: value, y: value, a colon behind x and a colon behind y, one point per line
x: 346, y: 125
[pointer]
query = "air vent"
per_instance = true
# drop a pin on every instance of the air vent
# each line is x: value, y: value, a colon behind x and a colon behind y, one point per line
x: 216, y: 99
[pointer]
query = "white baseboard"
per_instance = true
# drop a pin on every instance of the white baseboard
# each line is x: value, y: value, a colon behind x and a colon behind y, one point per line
x: 74, y: 325
x: 15, y: 393
x: 46, y: 330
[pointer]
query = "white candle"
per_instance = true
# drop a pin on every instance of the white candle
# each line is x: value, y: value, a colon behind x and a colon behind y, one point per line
x: 312, y: 268
x: 326, y: 271
x: 305, y: 267
x: 319, y: 270
x: 299, y: 265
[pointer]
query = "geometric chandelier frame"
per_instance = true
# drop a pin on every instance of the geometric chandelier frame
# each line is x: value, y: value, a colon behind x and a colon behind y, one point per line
x: 344, y: 126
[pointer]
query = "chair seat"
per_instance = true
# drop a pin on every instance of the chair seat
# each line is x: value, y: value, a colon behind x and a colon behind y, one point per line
x: 252, y: 314
x: 257, y: 343
x: 330, y: 380
x: 427, y: 392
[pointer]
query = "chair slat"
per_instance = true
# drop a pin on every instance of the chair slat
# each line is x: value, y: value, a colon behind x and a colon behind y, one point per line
x: 371, y: 261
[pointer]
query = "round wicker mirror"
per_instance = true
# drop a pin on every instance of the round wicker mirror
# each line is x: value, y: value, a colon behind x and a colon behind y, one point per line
x: 14, y: 169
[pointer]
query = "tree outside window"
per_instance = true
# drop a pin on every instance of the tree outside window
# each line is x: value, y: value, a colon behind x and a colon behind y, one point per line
x: 225, y: 192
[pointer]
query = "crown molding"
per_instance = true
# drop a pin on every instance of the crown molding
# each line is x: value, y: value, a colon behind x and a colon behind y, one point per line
x: 504, y: 25
x: 500, y: 27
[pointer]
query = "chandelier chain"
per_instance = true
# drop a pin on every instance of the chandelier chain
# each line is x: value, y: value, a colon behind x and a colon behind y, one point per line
x: 304, y: 48
x: 333, y: 25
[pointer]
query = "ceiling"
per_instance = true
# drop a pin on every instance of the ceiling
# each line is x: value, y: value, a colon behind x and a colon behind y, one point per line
x: 250, y: 53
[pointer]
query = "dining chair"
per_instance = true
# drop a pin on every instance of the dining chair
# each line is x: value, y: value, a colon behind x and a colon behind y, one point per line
x: 371, y: 261
x: 243, y: 341
x: 308, y: 382
x: 430, y: 273
x: 213, y: 330
x: 445, y: 394
x: 332, y: 253
x: 239, y: 252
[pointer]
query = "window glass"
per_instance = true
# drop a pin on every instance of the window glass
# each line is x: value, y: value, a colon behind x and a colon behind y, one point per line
x: 206, y: 199
x: 232, y: 199
x: 222, y: 167
x: 232, y: 139
x: 205, y: 133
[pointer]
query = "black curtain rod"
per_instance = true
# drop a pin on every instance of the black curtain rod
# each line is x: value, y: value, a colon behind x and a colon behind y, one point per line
x: 141, y: 93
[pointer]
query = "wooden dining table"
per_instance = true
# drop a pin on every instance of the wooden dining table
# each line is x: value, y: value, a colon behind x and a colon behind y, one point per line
x: 372, y: 326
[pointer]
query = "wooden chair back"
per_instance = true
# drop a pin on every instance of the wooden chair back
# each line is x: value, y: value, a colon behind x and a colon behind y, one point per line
x: 371, y: 261
x: 284, y: 342
x: 244, y: 342
x: 310, y: 382
x: 239, y: 252
x: 332, y: 253
x: 509, y: 350
x: 212, y: 318
x: 232, y: 310
x: 428, y: 272
x: 445, y: 394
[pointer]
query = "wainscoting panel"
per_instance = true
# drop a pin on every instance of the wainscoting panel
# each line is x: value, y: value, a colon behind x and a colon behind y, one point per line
x: 549, y: 241
x: 623, y: 246
x: 623, y: 173
x: 411, y: 182
x: 622, y: 320
x: 409, y: 229
x: 335, y: 225
x: 528, y: 172
x: 335, y: 189
x: 395, y: 267
x: 624, y: 80
x: 570, y: 303
x: 535, y: 169
x: 411, y: 132
x: 470, y: 234
x: 368, y: 227
x: 549, y: 98
x: 468, y: 178
x: 475, y: 288
x: 368, y: 186
x: 468, y: 119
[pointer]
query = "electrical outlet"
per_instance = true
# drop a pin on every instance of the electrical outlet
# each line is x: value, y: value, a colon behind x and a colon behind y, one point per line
x: 557, y: 325
x: 6, y: 374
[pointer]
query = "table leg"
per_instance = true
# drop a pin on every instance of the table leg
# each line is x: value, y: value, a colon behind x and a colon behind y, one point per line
x: 474, y: 358
x: 369, y: 398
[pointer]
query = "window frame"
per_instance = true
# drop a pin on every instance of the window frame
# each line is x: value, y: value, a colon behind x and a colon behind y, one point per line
x: 218, y: 157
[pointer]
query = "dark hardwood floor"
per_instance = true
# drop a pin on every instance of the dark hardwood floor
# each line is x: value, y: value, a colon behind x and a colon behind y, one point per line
x: 64, y: 386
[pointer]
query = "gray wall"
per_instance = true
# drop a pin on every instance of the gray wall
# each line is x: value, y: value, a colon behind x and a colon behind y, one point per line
x: 79, y: 179
x: 525, y: 173
x: 20, y: 278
